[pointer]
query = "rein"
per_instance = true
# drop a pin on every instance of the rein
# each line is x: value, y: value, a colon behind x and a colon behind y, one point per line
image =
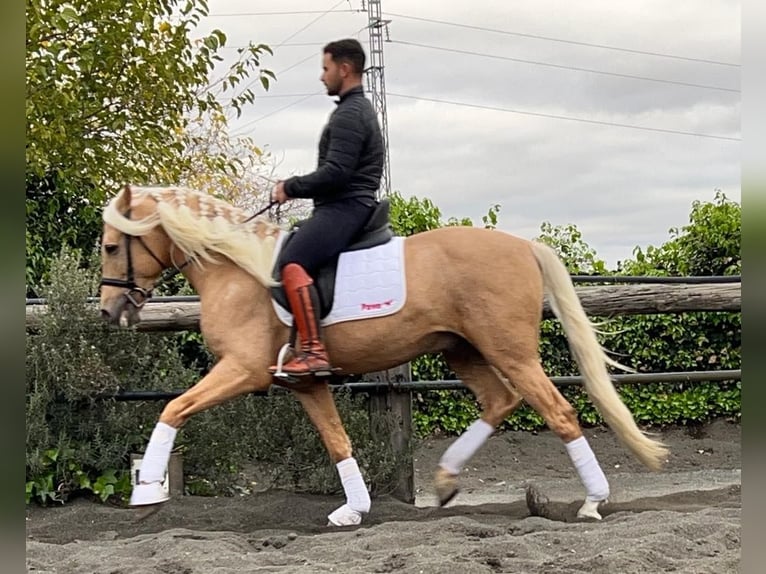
x: 262, y: 211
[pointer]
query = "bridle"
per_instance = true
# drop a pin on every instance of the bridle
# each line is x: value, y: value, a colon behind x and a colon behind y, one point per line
x: 134, y: 288
x: 130, y: 284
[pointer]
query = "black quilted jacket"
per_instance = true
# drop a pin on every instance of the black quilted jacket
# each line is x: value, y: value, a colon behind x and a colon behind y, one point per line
x: 351, y: 154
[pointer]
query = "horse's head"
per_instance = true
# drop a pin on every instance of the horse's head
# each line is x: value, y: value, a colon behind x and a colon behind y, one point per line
x: 134, y: 252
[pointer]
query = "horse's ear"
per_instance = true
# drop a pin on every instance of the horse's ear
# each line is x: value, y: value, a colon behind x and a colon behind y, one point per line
x: 123, y: 199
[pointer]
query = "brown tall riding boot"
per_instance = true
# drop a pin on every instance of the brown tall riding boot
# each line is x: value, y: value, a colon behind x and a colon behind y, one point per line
x: 301, y: 294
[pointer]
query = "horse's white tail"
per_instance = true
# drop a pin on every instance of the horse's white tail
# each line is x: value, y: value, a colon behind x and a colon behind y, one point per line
x: 592, y: 360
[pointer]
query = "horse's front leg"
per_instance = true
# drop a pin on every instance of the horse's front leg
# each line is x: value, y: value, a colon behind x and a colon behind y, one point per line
x: 318, y: 402
x: 226, y: 380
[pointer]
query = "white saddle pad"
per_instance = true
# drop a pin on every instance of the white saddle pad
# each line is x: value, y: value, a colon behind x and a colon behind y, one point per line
x: 368, y: 283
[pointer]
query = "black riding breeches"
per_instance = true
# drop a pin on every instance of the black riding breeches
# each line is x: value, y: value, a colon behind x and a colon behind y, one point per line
x: 331, y: 228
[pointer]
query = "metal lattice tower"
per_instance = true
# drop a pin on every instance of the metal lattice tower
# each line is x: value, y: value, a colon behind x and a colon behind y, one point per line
x: 376, y: 83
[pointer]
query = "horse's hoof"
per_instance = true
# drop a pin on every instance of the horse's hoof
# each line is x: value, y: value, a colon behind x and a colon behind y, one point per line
x: 445, y: 485
x: 589, y: 509
x: 141, y: 513
x: 145, y: 494
x: 537, y: 503
x: 344, y: 516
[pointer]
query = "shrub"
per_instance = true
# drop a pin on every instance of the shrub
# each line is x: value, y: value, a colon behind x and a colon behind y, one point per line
x: 76, y: 431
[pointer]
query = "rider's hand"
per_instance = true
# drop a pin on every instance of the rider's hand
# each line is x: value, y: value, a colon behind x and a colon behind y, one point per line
x: 278, y: 194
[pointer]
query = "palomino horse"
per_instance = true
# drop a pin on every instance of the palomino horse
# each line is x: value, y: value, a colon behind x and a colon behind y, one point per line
x: 475, y: 295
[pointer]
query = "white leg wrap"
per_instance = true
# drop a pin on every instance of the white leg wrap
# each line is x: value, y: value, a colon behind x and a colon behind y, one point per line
x: 155, y: 460
x: 591, y: 475
x: 589, y: 509
x: 466, y: 445
x: 148, y: 494
x: 357, y: 497
x: 344, y: 516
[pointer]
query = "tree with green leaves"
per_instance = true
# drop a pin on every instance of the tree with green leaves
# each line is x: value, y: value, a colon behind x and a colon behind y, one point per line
x: 111, y: 88
x: 576, y: 254
x: 415, y: 215
x: 710, y: 244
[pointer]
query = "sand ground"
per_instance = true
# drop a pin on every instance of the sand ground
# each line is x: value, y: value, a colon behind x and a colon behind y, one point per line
x: 684, y: 519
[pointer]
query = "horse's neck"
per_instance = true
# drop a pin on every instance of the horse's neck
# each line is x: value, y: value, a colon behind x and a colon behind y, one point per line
x: 214, y: 280
x: 244, y: 248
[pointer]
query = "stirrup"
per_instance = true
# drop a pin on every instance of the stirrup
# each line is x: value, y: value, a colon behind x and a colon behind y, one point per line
x: 320, y: 373
x: 317, y: 373
x: 279, y: 373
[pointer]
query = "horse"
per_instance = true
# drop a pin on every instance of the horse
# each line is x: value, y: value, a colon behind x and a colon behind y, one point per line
x: 474, y: 294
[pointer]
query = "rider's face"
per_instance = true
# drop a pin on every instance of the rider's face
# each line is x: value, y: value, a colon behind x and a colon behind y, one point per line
x: 332, y: 75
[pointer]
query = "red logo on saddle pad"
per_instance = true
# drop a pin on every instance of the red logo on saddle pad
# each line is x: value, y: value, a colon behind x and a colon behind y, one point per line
x: 374, y: 306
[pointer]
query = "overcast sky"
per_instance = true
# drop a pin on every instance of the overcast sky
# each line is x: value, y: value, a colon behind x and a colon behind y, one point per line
x: 622, y: 187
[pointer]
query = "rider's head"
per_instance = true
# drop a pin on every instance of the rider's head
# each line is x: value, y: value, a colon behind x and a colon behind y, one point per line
x: 342, y: 66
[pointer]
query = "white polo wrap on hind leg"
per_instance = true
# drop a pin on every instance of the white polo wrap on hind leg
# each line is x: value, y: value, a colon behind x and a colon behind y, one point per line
x: 466, y: 445
x: 155, y: 460
x: 591, y: 475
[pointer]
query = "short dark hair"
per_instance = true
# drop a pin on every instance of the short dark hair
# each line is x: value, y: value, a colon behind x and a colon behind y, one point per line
x: 348, y: 50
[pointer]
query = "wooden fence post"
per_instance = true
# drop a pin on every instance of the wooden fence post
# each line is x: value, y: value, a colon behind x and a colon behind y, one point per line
x: 395, y: 406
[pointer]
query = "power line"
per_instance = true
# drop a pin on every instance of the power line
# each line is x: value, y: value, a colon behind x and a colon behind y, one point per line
x: 282, y: 45
x: 299, y: 62
x: 285, y: 95
x: 305, y: 97
x: 537, y: 63
x: 296, y: 64
x: 298, y: 31
x: 321, y: 15
x: 552, y: 39
x: 282, y: 71
x: 291, y: 13
x: 261, y: 96
x: 560, y: 117
x: 241, y: 129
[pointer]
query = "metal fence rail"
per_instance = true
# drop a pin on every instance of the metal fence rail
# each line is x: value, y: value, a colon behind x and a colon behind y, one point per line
x: 455, y: 384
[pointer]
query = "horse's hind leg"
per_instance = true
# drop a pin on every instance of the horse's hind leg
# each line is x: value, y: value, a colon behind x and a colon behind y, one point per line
x: 528, y: 377
x: 497, y: 399
x: 318, y: 402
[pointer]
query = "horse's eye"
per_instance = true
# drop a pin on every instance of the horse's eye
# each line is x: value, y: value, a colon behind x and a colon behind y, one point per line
x: 111, y: 248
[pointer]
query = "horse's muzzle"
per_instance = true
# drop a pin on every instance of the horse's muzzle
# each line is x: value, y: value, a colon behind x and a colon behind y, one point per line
x: 120, y: 312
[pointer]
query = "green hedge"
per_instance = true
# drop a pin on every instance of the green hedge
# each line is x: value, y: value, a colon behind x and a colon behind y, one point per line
x: 649, y: 343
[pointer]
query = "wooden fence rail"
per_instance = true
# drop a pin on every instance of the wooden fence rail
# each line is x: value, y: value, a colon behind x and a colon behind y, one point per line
x: 600, y: 301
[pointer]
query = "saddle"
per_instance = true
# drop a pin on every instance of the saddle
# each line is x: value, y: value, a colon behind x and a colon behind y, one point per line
x: 376, y: 231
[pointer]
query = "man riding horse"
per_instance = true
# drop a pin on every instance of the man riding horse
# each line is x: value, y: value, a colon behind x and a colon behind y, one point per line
x: 343, y: 188
x: 485, y: 320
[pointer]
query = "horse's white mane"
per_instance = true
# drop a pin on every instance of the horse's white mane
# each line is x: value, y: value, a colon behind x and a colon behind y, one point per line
x: 201, y: 225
